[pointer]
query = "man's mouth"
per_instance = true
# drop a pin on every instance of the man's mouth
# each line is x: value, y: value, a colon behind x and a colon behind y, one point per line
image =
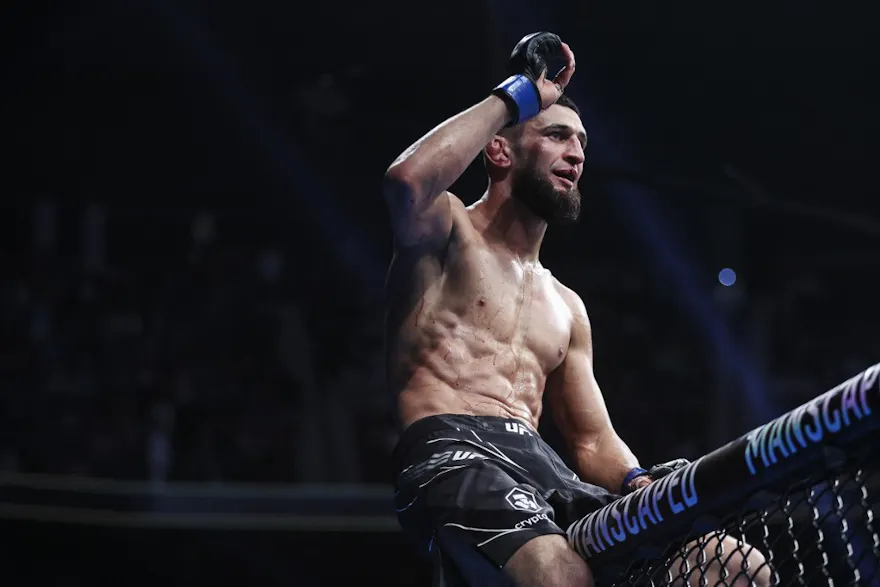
x: 568, y: 175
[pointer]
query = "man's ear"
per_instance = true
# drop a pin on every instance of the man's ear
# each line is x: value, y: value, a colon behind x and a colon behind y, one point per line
x: 497, y: 152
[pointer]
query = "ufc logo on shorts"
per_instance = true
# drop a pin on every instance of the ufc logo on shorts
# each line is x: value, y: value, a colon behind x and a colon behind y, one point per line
x: 441, y: 458
x: 522, y: 500
x: 464, y: 455
x: 516, y: 428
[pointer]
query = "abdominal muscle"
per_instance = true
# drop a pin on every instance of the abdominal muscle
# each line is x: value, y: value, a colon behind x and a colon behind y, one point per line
x: 467, y: 371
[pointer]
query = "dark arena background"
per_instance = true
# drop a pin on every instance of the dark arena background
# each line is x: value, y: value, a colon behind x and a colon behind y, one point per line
x: 194, y: 246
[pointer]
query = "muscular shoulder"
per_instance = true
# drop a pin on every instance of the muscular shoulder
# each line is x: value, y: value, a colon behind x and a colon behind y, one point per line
x: 572, y: 300
x: 581, y: 331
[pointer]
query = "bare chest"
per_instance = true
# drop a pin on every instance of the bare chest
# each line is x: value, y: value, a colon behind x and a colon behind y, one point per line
x: 514, y: 304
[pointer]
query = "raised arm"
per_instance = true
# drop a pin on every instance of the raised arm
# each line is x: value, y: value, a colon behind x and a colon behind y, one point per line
x: 416, y: 183
x: 578, y: 408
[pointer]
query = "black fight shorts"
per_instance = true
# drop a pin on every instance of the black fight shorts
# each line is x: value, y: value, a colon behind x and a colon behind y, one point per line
x: 471, y: 490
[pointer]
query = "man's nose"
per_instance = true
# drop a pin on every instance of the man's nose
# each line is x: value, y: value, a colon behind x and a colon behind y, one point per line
x: 574, y: 156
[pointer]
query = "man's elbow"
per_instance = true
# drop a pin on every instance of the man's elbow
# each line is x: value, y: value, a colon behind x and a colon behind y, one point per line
x: 399, y: 173
x: 406, y: 190
x: 412, y: 180
x: 416, y: 217
x: 399, y: 190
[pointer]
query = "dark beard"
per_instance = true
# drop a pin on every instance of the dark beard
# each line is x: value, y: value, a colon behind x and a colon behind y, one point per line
x: 544, y: 200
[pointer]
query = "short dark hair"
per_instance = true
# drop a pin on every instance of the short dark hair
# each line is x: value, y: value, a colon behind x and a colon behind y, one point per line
x: 568, y: 103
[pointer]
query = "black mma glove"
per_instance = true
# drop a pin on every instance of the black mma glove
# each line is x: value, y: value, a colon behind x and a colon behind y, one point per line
x: 663, y: 469
x: 656, y: 472
x: 530, y: 59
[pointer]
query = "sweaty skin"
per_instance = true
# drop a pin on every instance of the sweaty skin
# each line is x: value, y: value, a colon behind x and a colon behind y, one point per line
x: 474, y: 332
x: 475, y: 325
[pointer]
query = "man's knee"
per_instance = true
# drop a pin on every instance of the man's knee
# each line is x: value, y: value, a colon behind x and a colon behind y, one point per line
x: 548, y: 560
x: 723, y: 561
x: 758, y: 567
x: 745, y: 564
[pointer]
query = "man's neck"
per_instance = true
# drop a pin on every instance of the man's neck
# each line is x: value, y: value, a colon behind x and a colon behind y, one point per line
x: 509, y: 221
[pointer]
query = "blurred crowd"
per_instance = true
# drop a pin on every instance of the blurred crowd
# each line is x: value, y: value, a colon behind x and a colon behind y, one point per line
x: 223, y: 364
x: 211, y: 366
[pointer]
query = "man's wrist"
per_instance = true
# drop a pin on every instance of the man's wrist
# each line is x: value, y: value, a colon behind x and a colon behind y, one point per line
x: 521, y: 96
x: 503, y: 109
x: 636, y: 478
x: 640, y: 482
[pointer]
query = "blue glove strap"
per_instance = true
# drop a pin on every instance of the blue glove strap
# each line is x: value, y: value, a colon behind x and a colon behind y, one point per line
x: 521, y: 93
x: 637, y: 472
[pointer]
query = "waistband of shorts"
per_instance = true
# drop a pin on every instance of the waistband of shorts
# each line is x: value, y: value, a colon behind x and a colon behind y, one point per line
x: 430, y: 425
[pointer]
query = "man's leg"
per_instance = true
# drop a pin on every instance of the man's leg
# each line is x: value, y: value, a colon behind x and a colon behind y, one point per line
x: 548, y: 560
x: 725, y: 562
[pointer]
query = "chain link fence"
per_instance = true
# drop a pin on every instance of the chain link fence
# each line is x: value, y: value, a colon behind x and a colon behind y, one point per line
x: 793, y: 502
x: 820, y: 535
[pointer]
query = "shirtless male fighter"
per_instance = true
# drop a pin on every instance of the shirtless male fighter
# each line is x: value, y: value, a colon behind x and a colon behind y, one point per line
x: 478, y: 332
